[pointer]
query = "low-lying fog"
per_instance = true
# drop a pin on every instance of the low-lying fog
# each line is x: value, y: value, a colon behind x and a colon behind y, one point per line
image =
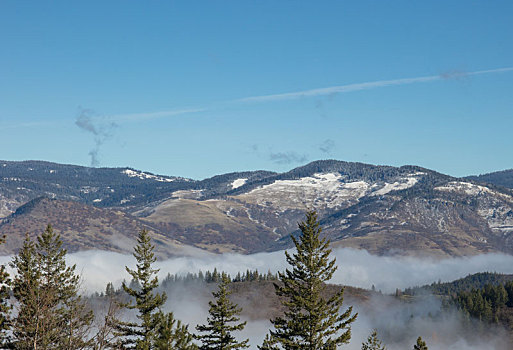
x: 356, y: 268
x: 398, y: 323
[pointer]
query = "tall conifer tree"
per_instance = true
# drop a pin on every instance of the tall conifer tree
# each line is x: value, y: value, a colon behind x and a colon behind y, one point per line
x: 154, y: 330
x: 30, y: 323
x: 51, y: 313
x: 222, y: 322
x: 5, y: 306
x: 310, y: 321
x: 74, y: 316
x: 140, y: 335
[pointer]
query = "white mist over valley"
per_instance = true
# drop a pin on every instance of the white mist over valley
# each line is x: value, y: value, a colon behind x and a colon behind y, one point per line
x: 356, y: 268
x: 398, y: 322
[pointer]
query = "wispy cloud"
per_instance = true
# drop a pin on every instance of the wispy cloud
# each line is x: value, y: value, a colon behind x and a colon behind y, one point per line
x: 327, y: 146
x: 287, y: 157
x: 332, y: 90
x: 489, y: 71
x: 152, y: 115
x: 365, y: 86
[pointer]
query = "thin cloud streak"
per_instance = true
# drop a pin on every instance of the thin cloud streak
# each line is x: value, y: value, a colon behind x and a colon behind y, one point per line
x: 137, y: 117
x: 152, y: 115
x: 361, y: 86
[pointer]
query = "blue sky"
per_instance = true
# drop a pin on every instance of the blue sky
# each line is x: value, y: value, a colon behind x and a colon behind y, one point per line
x: 198, y: 88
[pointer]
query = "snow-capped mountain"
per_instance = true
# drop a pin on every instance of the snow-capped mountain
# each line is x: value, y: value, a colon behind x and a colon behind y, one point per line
x: 386, y: 210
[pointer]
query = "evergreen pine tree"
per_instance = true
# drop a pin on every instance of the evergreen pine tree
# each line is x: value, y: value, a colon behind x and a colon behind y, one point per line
x: 215, y: 275
x: 51, y: 313
x: 421, y: 344
x: 171, y: 334
x: 220, y: 323
x: 208, y: 276
x: 268, y: 344
x: 373, y: 342
x: 310, y: 321
x: 109, y: 290
x: 5, y: 306
x: 74, y: 316
x: 30, y: 324
x: 140, y: 335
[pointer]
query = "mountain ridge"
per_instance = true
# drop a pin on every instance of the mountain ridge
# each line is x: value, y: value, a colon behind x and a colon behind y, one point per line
x: 383, y: 209
x: 502, y: 178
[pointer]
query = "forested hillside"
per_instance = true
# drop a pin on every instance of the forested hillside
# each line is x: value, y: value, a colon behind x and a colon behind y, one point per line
x: 502, y: 178
x: 385, y: 210
x: 466, y: 284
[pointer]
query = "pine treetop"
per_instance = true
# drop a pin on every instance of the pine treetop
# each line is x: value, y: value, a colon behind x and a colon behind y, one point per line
x: 310, y: 321
x: 144, y: 277
x: 54, y: 271
x: 222, y: 321
x: 420, y: 345
x: 141, y: 334
x: 373, y: 342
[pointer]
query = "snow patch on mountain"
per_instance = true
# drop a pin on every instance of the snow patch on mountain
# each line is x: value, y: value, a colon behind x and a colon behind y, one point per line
x: 8, y: 205
x: 493, y: 206
x: 500, y: 218
x: 88, y: 189
x: 402, y: 184
x: 12, y: 179
x: 187, y: 194
x: 238, y: 183
x: 465, y: 187
x: 322, y: 190
x: 147, y: 176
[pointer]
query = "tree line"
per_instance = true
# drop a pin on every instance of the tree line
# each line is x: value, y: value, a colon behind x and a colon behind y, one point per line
x: 466, y: 284
x: 490, y: 304
x: 215, y: 276
x: 486, y: 297
x: 208, y: 276
x: 41, y: 307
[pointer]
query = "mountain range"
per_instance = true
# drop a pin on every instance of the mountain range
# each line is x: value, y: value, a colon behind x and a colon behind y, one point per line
x: 386, y: 210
